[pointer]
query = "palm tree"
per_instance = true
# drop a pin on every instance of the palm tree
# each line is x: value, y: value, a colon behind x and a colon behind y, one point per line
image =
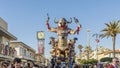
x: 87, y: 51
x: 80, y: 47
x: 111, y: 30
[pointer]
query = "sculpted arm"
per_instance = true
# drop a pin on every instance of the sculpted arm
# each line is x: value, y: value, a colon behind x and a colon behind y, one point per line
x: 49, y: 28
x: 75, y: 31
x: 78, y: 27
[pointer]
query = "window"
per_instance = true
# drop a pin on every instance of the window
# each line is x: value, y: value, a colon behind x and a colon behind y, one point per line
x: 24, y: 52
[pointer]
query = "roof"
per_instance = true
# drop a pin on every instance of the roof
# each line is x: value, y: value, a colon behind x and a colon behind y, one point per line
x: 116, y: 51
x: 4, y: 30
x: 5, y: 33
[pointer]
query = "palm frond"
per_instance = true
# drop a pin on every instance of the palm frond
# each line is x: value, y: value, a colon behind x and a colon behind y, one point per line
x: 94, y: 34
x: 104, y: 30
x: 110, y: 24
x: 80, y: 46
x: 101, y: 36
x: 107, y: 24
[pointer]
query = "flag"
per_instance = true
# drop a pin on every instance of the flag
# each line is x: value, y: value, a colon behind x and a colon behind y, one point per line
x: 97, y: 40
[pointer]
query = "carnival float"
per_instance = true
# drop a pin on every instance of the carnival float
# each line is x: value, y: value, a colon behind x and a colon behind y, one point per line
x: 63, y: 49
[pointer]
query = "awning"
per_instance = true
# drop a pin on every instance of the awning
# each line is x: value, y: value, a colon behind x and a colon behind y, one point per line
x: 2, y: 57
x: 5, y: 33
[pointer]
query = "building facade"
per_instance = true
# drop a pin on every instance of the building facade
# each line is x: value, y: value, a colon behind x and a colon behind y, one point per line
x: 98, y: 54
x: 24, y: 51
x: 6, y: 52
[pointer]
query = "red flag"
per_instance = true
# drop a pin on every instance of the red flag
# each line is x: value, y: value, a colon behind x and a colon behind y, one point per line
x: 97, y: 40
x: 78, y: 29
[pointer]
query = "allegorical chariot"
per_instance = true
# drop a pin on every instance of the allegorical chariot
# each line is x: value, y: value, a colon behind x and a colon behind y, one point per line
x: 62, y: 48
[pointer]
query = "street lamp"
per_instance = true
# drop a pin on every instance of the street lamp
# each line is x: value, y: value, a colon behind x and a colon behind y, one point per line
x: 88, y: 43
x: 97, y: 41
x: 88, y: 37
x: 80, y: 49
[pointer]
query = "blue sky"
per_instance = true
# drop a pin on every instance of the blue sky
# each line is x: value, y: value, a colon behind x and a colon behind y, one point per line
x: 26, y: 17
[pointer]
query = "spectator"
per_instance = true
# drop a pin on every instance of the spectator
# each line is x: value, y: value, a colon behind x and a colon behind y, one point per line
x: 5, y: 64
x: 17, y: 63
x: 28, y: 65
x: 105, y: 65
x: 115, y: 63
x: 35, y: 66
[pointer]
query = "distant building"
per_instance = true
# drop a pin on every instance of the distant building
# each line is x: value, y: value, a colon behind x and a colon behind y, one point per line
x: 38, y: 59
x: 110, y: 53
x: 101, y: 53
x: 25, y: 52
x: 6, y: 52
x: 105, y: 52
x: 41, y: 60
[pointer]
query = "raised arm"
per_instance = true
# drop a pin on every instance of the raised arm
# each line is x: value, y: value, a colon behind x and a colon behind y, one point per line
x: 48, y: 26
x: 78, y: 27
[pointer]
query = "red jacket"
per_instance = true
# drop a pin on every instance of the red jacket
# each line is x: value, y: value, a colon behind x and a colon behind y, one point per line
x: 111, y: 66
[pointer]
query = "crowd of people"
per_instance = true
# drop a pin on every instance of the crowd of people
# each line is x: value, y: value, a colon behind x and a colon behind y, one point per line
x: 115, y: 64
x: 17, y: 64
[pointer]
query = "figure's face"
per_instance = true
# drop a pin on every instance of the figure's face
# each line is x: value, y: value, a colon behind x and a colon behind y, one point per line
x: 17, y: 65
x: 62, y: 22
x: 116, y: 62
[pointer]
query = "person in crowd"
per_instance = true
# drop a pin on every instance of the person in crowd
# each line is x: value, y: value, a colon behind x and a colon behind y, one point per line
x: 115, y: 63
x: 28, y: 65
x: 5, y: 64
x: 17, y: 63
x: 49, y: 66
x: 105, y: 65
x: 35, y: 66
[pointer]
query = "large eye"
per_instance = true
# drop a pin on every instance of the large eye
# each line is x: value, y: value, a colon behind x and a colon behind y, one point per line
x: 64, y: 22
x: 60, y: 22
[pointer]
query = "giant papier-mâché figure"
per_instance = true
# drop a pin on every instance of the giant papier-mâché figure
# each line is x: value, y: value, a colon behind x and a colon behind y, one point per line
x: 62, y: 30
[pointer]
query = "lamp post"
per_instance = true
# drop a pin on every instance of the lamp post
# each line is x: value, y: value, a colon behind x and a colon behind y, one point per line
x: 88, y: 37
x: 97, y: 41
x: 88, y: 43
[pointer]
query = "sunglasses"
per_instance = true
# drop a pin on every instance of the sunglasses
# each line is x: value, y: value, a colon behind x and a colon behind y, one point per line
x: 117, y: 61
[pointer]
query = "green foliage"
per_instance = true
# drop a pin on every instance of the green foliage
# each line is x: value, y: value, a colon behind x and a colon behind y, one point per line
x: 111, y: 30
x: 106, y: 59
x: 90, y: 61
